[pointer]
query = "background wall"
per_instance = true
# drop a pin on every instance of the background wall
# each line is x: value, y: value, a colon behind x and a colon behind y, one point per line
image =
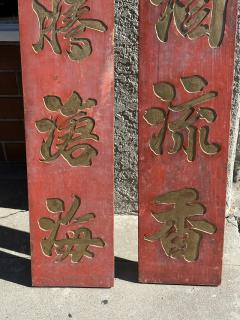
x: 12, y: 145
x: 126, y: 141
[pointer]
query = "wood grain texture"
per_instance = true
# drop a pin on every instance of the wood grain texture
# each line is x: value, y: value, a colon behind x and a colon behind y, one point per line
x: 160, y: 174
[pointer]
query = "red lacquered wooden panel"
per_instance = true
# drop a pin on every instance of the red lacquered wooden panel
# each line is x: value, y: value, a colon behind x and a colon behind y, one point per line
x: 67, y: 62
x: 185, y: 89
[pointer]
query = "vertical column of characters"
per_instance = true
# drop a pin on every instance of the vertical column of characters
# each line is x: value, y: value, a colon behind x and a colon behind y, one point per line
x: 67, y: 62
x: 185, y: 90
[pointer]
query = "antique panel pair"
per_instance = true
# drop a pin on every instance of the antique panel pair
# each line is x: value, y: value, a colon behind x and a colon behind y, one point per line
x: 185, y: 86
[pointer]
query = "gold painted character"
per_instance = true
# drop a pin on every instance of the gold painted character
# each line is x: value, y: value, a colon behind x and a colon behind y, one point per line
x: 69, y: 136
x: 181, y: 235
x: 193, y: 19
x: 189, y: 113
x: 77, y: 241
x: 69, y: 23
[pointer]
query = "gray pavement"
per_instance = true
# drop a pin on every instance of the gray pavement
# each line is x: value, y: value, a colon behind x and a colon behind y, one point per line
x: 128, y: 299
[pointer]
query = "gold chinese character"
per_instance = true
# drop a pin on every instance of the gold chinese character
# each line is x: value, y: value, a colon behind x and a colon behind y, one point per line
x: 181, y: 235
x: 66, y: 19
x: 68, y: 136
x: 76, y: 241
x: 193, y: 19
x: 189, y: 113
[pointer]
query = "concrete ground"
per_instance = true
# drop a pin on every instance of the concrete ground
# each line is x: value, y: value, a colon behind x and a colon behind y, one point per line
x: 128, y: 299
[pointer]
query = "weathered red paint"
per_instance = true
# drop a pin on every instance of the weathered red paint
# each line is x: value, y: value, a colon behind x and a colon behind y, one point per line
x: 160, y: 174
x: 47, y: 73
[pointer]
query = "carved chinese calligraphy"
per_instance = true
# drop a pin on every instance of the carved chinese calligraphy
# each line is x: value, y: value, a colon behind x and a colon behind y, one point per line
x: 180, y: 237
x: 78, y: 127
x: 69, y: 22
x: 184, y: 113
x: 77, y: 241
x: 190, y: 19
x: 67, y: 64
x: 187, y: 118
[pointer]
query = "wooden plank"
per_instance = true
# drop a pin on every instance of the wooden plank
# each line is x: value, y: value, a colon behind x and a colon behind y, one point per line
x: 67, y: 62
x: 185, y: 88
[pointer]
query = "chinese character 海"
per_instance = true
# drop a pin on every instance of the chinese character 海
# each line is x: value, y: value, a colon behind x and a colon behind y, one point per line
x: 68, y: 137
x: 65, y: 17
x: 76, y: 241
x: 193, y: 19
x: 189, y: 114
x: 181, y: 235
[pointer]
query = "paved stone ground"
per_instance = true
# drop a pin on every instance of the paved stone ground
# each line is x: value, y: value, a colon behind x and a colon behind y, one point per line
x: 128, y: 299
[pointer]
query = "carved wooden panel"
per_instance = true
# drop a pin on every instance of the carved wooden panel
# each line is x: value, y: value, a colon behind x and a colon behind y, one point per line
x: 67, y: 61
x: 185, y: 89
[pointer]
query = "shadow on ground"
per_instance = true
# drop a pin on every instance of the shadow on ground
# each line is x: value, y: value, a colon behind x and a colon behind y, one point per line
x: 13, y: 268
x: 13, y: 186
x: 126, y: 270
x: 18, y: 269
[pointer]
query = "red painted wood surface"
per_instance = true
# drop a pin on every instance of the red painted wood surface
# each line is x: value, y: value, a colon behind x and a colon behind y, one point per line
x: 44, y: 74
x: 161, y: 174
